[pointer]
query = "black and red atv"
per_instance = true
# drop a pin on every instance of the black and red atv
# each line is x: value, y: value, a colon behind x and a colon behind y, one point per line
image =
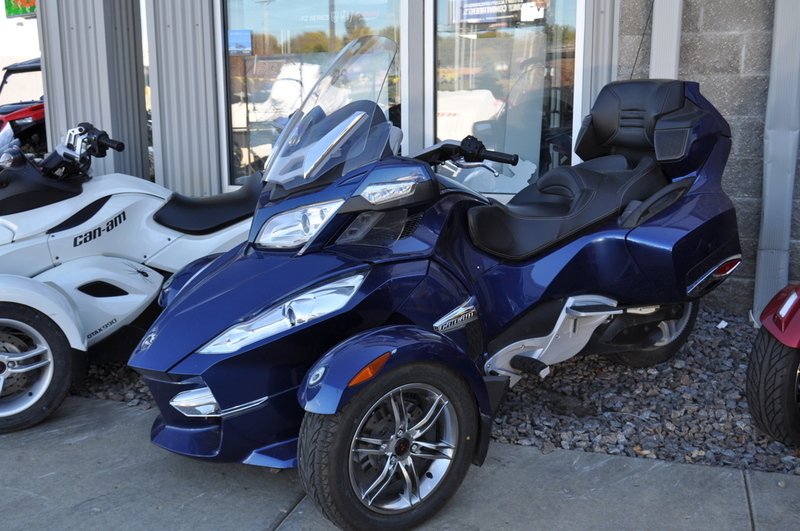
x: 23, y: 120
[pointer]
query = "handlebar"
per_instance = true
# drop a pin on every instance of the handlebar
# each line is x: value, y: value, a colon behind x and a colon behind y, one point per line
x: 99, y: 142
x: 474, y: 151
x: 503, y: 158
x: 71, y: 160
x: 110, y: 143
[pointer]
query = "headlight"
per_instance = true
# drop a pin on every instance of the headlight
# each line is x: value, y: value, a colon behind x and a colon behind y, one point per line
x: 202, y: 403
x: 384, y: 192
x: 24, y: 121
x: 196, y: 403
x: 297, y: 227
x: 302, y: 308
x: 397, y: 185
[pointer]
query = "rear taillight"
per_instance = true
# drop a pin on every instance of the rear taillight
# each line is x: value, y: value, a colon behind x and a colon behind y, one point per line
x: 714, y: 276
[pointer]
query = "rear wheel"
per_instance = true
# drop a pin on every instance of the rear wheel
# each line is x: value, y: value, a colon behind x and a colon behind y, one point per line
x: 668, y: 336
x: 773, y: 388
x: 35, y: 367
x: 395, y: 454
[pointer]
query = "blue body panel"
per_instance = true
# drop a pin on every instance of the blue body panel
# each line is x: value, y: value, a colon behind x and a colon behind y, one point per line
x: 406, y: 344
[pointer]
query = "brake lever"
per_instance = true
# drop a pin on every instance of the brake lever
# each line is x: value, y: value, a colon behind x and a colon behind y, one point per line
x: 463, y: 164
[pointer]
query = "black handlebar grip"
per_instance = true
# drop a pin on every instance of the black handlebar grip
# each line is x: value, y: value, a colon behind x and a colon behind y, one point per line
x: 503, y: 158
x: 110, y: 143
x: 474, y: 151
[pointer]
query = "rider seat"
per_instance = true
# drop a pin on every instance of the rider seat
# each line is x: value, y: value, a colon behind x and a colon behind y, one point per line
x: 204, y: 215
x: 617, y: 142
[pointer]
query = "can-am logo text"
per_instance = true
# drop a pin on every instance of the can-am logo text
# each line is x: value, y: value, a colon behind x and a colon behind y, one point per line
x: 96, y: 232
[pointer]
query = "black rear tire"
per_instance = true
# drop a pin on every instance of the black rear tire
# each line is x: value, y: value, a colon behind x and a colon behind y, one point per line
x: 35, y: 367
x: 670, y: 337
x: 773, y: 395
x: 368, y: 467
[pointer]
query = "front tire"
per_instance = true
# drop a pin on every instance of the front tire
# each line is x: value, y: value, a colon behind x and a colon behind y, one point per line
x: 669, y: 336
x: 773, y: 388
x: 395, y: 454
x: 35, y: 367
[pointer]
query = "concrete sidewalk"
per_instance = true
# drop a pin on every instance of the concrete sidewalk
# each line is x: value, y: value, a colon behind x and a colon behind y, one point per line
x: 91, y: 466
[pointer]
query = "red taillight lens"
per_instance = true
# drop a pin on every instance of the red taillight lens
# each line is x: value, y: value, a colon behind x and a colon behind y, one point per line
x: 727, y: 268
x: 714, y: 276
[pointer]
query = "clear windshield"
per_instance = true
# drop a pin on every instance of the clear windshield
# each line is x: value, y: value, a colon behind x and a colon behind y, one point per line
x: 6, y: 136
x: 343, y: 119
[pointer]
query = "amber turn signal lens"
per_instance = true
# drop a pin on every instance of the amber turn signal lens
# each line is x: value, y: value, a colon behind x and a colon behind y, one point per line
x: 370, y: 370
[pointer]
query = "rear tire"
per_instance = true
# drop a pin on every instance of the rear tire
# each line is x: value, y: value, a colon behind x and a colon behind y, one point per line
x: 395, y: 454
x: 35, y: 367
x: 773, y: 388
x: 669, y: 338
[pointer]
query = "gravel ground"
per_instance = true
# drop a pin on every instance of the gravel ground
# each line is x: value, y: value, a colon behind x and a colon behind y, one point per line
x: 690, y: 409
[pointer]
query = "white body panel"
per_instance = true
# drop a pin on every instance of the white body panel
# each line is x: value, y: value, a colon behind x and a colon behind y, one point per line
x: 48, y: 300
x: 102, y: 314
x: 39, y: 220
x: 94, y: 262
x: 188, y: 248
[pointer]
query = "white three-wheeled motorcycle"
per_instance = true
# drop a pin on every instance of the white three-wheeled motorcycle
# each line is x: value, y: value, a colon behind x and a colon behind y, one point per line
x: 81, y: 258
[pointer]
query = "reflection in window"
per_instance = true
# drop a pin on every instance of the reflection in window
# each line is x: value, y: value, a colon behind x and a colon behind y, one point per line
x: 505, y: 73
x: 277, y: 49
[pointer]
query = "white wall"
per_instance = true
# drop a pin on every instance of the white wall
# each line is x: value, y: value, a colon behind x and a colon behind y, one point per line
x: 19, y: 41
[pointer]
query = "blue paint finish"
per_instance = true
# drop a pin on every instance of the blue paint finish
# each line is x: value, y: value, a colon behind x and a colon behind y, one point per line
x: 237, y: 289
x: 406, y: 344
x: 700, y: 229
x: 180, y: 278
x: 234, y: 439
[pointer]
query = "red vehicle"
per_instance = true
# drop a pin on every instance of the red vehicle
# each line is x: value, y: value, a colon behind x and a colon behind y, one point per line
x: 23, y: 120
x: 773, y: 374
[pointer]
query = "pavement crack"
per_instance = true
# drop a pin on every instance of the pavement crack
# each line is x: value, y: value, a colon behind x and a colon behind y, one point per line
x: 749, y: 500
x: 290, y: 511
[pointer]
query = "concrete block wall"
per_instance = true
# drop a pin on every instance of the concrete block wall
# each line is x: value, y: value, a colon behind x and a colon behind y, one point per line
x: 726, y: 47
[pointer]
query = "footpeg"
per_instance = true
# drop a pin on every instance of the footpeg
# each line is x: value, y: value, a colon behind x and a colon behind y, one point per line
x: 530, y: 366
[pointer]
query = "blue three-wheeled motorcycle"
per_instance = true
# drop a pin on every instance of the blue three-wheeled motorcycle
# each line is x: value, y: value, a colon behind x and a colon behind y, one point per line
x: 377, y: 314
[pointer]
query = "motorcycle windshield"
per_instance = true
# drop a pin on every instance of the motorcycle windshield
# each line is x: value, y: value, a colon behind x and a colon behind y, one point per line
x: 341, y: 122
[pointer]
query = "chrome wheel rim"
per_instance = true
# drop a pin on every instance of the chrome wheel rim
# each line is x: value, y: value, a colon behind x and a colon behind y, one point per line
x: 669, y: 330
x: 403, y: 448
x: 26, y: 367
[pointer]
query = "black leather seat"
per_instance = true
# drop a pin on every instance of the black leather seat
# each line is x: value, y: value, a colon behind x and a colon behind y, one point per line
x: 204, y: 215
x: 617, y: 142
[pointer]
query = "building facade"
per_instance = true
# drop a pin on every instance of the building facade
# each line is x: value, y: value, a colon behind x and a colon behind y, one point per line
x: 220, y: 75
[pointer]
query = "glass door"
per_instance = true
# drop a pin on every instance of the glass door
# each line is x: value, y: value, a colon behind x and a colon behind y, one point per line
x: 505, y: 73
x: 276, y: 51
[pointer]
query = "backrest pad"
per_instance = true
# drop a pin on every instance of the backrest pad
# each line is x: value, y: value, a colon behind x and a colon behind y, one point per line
x: 624, y: 115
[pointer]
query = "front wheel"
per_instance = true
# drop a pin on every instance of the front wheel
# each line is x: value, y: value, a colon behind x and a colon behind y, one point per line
x: 773, y: 388
x: 35, y: 367
x: 395, y: 454
x: 668, y: 337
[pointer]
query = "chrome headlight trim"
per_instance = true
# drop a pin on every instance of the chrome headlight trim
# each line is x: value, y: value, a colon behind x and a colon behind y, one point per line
x: 300, y: 309
x: 297, y: 227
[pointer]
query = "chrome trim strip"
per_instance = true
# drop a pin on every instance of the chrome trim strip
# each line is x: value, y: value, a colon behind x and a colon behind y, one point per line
x: 243, y: 408
x: 457, y: 317
x: 701, y: 282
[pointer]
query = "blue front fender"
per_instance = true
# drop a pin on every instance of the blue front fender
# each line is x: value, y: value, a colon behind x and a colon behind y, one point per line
x: 405, y: 343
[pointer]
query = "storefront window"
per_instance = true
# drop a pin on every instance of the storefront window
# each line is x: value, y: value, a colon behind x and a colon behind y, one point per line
x: 505, y: 72
x: 277, y: 50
